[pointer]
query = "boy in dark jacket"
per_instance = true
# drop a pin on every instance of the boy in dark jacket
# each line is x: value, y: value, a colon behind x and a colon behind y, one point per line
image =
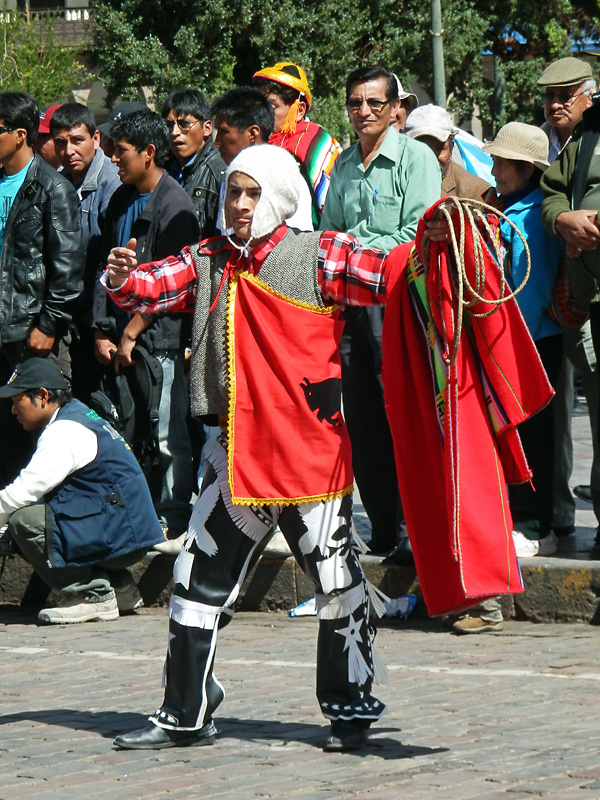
x: 154, y: 212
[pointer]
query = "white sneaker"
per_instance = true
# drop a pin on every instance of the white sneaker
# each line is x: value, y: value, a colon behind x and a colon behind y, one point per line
x: 171, y: 546
x: 277, y: 546
x: 78, y: 608
x: 525, y: 548
x: 547, y: 545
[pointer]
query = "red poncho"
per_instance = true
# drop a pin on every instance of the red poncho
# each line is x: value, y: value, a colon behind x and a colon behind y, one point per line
x: 454, y: 426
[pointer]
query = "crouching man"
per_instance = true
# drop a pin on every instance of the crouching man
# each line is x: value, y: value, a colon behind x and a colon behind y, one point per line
x: 80, y: 512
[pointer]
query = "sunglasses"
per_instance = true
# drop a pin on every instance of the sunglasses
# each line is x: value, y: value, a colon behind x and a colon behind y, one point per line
x: 375, y: 105
x: 564, y: 98
x: 184, y: 125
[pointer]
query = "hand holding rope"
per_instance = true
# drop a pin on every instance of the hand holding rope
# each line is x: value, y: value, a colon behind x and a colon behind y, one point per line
x: 471, y: 217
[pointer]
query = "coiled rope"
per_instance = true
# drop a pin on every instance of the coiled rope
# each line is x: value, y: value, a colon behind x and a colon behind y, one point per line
x: 471, y: 216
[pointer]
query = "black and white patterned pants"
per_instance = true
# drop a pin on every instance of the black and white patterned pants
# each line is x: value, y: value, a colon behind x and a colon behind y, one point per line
x: 209, y: 572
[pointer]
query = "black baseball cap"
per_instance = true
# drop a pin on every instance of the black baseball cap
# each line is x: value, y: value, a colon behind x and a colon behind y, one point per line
x: 119, y: 111
x: 34, y: 373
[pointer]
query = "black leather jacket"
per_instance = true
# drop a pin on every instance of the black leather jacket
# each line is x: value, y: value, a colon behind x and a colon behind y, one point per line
x: 42, y: 260
x: 202, y: 182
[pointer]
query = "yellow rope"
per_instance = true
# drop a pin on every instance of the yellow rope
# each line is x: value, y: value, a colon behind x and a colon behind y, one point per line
x: 470, y: 213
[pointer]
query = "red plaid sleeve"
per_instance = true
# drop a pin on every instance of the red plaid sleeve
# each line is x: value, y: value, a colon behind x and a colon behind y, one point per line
x: 350, y: 274
x: 167, y: 285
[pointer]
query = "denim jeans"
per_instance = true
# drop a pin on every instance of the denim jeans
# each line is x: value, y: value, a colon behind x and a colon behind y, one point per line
x: 173, y: 503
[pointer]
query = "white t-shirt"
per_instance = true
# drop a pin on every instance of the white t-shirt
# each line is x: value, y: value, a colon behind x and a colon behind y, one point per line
x: 63, y: 447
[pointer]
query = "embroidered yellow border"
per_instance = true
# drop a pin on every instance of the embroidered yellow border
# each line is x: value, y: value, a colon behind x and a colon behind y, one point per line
x: 232, y: 297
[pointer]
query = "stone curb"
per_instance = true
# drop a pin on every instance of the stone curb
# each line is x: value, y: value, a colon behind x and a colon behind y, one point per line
x: 556, y: 589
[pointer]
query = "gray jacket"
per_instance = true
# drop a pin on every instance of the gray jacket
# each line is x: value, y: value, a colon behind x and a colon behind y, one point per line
x: 99, y: 184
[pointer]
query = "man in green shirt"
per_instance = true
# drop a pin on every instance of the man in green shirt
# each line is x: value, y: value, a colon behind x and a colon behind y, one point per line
x: 379, y: 188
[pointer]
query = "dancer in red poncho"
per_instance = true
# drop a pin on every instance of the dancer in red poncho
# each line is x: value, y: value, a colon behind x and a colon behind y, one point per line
x: 265, y: 359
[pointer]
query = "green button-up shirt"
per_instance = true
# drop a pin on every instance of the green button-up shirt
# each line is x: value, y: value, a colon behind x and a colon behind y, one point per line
x: 381, y: 205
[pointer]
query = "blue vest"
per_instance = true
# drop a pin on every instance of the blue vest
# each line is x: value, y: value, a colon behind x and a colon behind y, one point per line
x: 103, y: 510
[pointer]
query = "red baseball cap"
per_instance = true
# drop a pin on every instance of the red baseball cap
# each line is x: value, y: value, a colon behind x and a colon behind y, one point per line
x: 46, y: 116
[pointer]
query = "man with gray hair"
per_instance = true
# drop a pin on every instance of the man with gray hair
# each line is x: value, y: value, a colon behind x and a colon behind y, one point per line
x: 567, y: 85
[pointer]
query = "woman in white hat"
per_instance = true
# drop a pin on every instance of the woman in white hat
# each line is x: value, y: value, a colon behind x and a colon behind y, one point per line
x: 520, y: 154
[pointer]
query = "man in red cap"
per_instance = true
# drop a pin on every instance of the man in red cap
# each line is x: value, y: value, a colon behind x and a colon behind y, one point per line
x: 44, y: 144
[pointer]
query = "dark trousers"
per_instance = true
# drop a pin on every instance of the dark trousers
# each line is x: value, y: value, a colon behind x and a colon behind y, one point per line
x: 532, y: 504
x: 373, y: 459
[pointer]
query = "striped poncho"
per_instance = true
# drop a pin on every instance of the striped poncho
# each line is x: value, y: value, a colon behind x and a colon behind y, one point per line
x: 316, y: 150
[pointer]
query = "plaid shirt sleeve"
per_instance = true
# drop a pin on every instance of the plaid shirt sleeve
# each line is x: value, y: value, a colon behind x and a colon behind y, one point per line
x: 350, y: 274
x: 167, y: 285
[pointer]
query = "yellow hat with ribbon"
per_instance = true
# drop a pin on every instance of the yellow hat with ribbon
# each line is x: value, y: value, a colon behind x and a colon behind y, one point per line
x: 291, y: 75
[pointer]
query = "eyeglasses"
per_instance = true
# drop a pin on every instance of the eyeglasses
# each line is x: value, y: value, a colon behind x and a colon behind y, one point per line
x: 5, y: 129
x: 564, y: 98
x: 375, y: 105
x: 184, y: 125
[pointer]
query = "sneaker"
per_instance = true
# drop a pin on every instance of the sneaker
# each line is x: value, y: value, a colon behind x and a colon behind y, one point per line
x: 78, y: 608
x: 173, y: 544
x: 126, y: 590
x: 524, y: 547
x: 527, y: 548
x: 468, y: 624
x: 277, y: 547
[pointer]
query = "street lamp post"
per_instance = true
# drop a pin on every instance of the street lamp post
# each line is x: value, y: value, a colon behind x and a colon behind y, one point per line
x: 437, y: 32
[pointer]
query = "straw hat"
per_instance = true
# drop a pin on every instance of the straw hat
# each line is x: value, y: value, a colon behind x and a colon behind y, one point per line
x: 520, y: 142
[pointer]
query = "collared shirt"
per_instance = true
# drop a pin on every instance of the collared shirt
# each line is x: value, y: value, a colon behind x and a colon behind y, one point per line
x: 381, y: 204
x: 348, y: 274
x: 555, y: 148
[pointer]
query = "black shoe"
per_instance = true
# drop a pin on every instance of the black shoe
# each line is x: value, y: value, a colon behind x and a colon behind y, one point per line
x: 377, y: 547
x: 583, y: 493
x: 566, y: 530
x: 153, y: 737
x: 402, y: 556
x: 346, y: 735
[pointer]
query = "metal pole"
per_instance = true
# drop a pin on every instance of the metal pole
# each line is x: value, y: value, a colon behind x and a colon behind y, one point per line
x: 437, y: 32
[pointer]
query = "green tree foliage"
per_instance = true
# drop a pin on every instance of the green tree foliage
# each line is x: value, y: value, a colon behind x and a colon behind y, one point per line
x: 214, y: 44
x: 31, y: 60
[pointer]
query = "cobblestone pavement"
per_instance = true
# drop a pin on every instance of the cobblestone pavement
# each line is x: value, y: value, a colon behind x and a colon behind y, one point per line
x: 508, y: 716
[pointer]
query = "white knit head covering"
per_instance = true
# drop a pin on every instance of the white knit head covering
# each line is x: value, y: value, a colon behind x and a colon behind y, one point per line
x: 277, y: 173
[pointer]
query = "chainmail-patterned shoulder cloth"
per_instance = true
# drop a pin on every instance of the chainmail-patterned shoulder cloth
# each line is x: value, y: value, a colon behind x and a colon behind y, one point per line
x: 290, y: 269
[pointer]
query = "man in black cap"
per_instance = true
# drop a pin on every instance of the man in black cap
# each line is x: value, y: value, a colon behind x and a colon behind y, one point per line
x: 119, y: 111
x: 80, y: 512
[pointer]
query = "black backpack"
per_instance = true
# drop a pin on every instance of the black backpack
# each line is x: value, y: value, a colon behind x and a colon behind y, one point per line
x: 129, y: 401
